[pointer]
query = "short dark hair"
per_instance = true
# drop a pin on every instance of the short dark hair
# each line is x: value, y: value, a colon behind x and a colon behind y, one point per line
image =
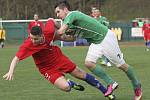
x: 62, y: 4
x: 36, y: 30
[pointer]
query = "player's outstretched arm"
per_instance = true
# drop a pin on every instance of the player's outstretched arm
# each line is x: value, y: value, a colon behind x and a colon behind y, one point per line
x: 64, y: 37
x: 9, y: 74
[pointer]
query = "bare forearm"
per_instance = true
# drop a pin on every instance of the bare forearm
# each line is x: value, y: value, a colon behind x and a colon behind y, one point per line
x: 64, y: 37
x: 9, y: 74
x: 13, y: 64
x: 60, y: 34
x: 62, y: 29
x: 68, y: 38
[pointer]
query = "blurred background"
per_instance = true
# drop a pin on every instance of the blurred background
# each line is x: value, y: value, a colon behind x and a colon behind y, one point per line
x: 114, y: 10
x: 123, y: 14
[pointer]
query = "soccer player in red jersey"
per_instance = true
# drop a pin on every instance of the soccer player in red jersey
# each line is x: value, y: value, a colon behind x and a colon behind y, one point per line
x: 146, y: 31
x: 50, y: 61
x: 36, y: 22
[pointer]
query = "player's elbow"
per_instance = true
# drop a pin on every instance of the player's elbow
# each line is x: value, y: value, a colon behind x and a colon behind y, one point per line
x: 60, y: 32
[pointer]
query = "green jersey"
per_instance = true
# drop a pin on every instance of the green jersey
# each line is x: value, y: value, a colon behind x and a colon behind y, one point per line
x: 103, y: 20
x: 86, y: 26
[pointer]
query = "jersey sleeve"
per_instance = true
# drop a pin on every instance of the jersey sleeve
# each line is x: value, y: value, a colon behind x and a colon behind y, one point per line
x: 103, y: 20
x: 26, y: 50
x: 41, y: 25
x: 71, y: 17
x: 49, y: 30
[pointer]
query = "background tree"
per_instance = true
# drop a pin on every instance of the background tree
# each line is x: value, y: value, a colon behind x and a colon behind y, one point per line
x: 122, y: 10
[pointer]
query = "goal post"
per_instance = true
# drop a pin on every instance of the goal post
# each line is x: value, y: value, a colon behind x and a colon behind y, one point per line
x: 1, y: 25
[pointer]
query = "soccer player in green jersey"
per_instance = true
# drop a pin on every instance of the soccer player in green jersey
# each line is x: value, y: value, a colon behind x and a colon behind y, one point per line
x: 96, y: 13
x: 103, y: 42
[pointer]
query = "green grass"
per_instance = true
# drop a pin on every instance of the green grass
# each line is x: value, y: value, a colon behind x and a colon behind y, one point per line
x: 28, y: 84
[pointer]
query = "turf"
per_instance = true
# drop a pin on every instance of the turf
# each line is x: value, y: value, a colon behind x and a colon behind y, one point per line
x: 28, y: 84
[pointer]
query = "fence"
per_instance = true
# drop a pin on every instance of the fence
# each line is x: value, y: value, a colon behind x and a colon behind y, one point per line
x: 16, y: 32
x: 126, y: 31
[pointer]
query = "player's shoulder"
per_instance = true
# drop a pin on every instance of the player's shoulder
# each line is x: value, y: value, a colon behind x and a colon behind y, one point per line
x: 26, y: 44
x: 103, y: 17
x: 76, y: 12
x: 51, y: 19
x: 49, y: 27
x: 50, y: 22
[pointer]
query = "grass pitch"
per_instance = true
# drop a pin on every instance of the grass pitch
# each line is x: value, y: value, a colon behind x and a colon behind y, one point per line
x: 28, y: 84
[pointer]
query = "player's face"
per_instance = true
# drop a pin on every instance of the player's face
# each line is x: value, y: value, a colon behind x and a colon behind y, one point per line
x: 36, y: 17
x: 37, y: 39
x: 95, y: 14
x: 61, y: 13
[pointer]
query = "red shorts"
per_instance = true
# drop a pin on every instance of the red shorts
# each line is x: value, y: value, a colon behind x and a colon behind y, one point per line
x: 63, y: 66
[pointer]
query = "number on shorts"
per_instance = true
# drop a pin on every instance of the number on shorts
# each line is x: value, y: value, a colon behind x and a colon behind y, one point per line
x: 47, y: 76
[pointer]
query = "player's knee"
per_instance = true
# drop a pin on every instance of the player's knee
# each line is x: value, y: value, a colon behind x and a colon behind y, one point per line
x: 89, y: 64
x: 65, y: 88
x: 124, y: 67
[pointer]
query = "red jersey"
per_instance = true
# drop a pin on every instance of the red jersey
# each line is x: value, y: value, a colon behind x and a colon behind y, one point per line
x: 146, y: 27
x: 146, y: 31
x: 48, y: 58
x: 35, y: 23
x: 44, y: 54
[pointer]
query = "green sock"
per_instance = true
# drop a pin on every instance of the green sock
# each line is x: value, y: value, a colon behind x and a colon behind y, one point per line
x: 131, y: 75
x: 98, y: 71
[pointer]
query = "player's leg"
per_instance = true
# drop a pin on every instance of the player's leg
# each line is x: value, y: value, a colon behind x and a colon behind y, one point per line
x: 2, y: 43
x: 70, y: 67
x: 136, y: 84
x: 57, y: 79
x: 80, y: 74
x: 148, y: 45
x: 93, y: 54
x: 146, y: 40
x: 116, y: 57
x: 62, y: 84
x: 66, y: 85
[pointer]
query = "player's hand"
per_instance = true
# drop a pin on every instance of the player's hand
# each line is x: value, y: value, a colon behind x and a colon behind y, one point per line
x: 8, y: 76
x: 70, y: 32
